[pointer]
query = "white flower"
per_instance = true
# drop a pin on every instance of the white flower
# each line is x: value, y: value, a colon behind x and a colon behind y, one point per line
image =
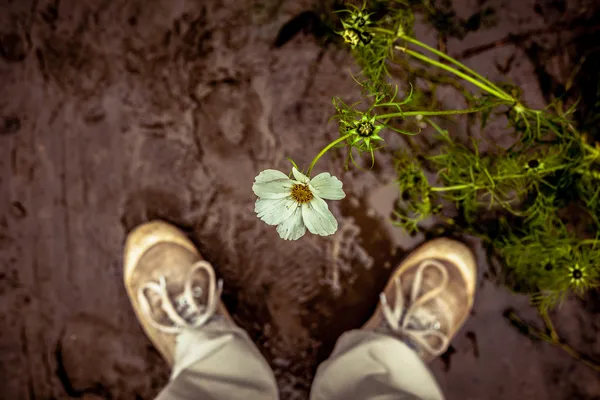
x: 294, y: 205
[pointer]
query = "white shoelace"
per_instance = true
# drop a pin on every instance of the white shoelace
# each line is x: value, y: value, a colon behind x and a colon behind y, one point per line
x: 406, y: 321
x: 187, y: 313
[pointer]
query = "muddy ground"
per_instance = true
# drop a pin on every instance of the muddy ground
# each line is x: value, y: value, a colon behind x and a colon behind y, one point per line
x: 115, y: 112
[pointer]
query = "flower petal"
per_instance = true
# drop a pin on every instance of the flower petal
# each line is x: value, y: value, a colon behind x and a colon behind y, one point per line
x: 317, y: 217
x: 300, y: 177
x: 275, y: 189
x: 270, y: 175
x: 275, y: 211
x: 327, y: 187
x: 292, y: 228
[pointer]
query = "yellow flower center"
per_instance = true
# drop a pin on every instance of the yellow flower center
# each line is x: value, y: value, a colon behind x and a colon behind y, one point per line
x: 351, y: 36
x: 301, y: 193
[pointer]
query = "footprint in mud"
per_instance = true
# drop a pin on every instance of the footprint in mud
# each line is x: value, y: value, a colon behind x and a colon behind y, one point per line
x: 150, y: 204
x: 13, y: 47
x: 10, y: 125
x: 95, y: 359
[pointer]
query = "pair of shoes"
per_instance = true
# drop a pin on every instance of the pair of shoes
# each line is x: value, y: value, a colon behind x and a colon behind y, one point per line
x: 172, y: 288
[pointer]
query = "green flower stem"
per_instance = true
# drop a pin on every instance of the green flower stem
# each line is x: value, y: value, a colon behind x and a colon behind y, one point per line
x: 329, y: 146
x: 445, y: 112
x: 458, y: 73
x: 497, y: 178
x: 457, y: 63
x: 450, y: 188
x: 382, y: 30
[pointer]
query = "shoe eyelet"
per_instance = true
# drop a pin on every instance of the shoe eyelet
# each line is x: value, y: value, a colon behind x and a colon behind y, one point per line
x: 197, y: 292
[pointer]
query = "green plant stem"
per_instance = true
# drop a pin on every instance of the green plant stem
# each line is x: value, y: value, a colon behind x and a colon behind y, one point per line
x: 445, y: 112
x: 493, y: 179
x: 542, y: 172
x: 551, y: 338
x: 592, y: 242
x: 384, y: 31
x: 329, y: 146
x: 456, y: 72
x: 594, y: 151
x: 451, y: 188
x: 555, y: 339
x: 455, y: 62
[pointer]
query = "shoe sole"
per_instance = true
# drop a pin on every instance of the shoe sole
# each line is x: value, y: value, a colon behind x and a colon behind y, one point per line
x: 451, y: 251
x: 148, y: 235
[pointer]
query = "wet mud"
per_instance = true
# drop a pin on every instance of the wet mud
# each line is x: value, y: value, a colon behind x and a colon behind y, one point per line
x: 113, y: 113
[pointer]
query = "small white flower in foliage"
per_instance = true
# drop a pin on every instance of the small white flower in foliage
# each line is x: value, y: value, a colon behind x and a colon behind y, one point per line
x: 295, y: 205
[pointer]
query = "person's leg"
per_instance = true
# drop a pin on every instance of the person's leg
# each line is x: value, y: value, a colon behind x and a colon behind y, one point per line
x: 426, y: 301
x: 176, y: 298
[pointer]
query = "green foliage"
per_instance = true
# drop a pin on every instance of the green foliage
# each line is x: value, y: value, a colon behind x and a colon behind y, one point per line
x: 415, y: 193
x: 544, y: 190
x: 371, y: 35
x: 360, y: 129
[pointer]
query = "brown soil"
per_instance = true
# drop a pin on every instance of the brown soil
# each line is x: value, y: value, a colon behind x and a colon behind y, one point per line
x: 117, y: 112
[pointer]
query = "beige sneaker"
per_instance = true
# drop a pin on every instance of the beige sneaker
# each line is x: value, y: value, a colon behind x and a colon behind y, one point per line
x: 438, y: 280
x: 169, y: 284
